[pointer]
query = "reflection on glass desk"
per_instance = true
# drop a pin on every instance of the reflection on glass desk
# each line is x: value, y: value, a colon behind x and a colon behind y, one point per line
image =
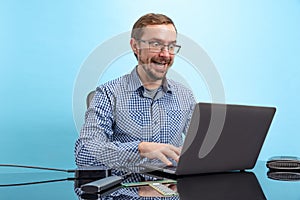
x: 234, y: 186
x: 253, y: 184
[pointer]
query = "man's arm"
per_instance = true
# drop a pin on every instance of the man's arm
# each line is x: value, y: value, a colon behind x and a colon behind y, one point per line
x: 95, y: 146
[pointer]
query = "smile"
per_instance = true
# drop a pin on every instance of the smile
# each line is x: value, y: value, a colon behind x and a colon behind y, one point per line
x: 159, y: 63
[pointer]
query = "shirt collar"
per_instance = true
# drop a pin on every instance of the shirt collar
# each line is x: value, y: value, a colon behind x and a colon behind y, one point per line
x: 134, y: 82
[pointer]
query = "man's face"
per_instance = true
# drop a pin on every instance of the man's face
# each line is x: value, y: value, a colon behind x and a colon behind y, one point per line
x: 155, y: 63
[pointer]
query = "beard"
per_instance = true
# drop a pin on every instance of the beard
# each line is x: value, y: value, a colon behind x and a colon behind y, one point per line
x: 156, y: 67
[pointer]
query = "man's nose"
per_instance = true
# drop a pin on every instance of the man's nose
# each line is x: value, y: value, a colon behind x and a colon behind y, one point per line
x: 165, y: 52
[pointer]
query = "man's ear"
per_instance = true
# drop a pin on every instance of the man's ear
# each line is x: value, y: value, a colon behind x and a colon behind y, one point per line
x: 133, y: 44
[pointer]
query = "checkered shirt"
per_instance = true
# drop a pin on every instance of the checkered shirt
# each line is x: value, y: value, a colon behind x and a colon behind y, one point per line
x: 121, y: 116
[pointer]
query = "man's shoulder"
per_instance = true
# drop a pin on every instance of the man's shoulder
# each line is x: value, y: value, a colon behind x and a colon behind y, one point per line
x: 115, y: 84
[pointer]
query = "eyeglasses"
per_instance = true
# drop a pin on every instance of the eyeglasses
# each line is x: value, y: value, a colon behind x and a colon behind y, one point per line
x: 157, y: 47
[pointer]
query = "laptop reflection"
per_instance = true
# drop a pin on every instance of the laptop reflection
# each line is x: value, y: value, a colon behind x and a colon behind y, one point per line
x: 232, y: 185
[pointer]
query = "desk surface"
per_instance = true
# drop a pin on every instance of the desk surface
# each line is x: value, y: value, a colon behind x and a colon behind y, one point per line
x: 253, y: 184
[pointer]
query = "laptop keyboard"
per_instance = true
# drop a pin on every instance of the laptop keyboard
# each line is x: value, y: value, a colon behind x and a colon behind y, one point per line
x: 170, y: 167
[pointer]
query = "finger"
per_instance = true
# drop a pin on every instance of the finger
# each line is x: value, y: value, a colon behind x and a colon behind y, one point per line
x: 177, y: 150
x: 180, y: 149
x: 171, y: 154
x: 163, y: 158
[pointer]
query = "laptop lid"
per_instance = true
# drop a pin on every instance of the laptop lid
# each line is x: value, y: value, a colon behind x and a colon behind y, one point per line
x: 233, y: 186
x: 224, y: 137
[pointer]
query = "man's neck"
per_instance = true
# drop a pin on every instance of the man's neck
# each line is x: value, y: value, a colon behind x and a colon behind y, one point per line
x: 149, y: 83
x: 151, y: 86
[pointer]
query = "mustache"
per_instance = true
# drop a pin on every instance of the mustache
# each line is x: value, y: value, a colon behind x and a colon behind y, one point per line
x: 161, y: 60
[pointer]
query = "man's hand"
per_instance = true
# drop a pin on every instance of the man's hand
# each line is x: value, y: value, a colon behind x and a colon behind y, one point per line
x: 160, y: 151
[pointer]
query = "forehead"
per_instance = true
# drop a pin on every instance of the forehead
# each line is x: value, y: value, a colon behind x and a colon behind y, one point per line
x: 164, y: 32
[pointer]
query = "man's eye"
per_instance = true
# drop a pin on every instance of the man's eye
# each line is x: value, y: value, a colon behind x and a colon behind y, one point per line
x: 156, y: 44
x: 171, y: 46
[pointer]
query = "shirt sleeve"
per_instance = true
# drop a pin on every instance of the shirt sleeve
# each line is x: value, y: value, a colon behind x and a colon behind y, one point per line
x: 95, y: 145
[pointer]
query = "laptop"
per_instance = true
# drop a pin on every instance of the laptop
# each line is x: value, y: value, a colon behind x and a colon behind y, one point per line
x: 231, y: 185
x: 220, y: 138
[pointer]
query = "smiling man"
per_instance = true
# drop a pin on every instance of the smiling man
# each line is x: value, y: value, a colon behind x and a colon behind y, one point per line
x: 141, y: 115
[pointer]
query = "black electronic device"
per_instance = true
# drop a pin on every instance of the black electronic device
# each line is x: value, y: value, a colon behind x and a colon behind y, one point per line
x: 284, y: 163
x: 88, y: 174
x: 216, y: 186
x: 97, y: 196
x: 218, y: 135
x: 102, y: 184
x: 284, y: 175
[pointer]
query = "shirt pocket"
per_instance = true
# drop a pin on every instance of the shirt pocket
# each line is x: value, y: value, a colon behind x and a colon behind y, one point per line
x: 130, y: 121
x: 177, y: 120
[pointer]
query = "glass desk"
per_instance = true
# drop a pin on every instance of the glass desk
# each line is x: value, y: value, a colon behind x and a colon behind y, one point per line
x: 253, y: 184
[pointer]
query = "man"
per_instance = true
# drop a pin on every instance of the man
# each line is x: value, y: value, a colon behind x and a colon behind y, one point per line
x: 141, y: 115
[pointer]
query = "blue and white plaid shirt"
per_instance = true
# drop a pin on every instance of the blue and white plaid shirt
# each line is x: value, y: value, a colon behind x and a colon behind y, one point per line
x: 121, y: 116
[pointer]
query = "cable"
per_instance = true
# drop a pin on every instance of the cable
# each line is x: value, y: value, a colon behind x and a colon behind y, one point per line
x: 80, y: 173
x: 84, y: 174
x: 35, y: 167
x: 36, y: 182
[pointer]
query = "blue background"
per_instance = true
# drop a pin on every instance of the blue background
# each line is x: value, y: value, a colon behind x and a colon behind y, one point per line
x: 254, y: 45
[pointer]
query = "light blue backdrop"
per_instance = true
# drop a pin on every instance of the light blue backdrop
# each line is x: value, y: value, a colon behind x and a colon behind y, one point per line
x: 254, y: 45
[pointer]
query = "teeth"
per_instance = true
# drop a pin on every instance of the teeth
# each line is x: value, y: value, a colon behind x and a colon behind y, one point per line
x: 159, y: 63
